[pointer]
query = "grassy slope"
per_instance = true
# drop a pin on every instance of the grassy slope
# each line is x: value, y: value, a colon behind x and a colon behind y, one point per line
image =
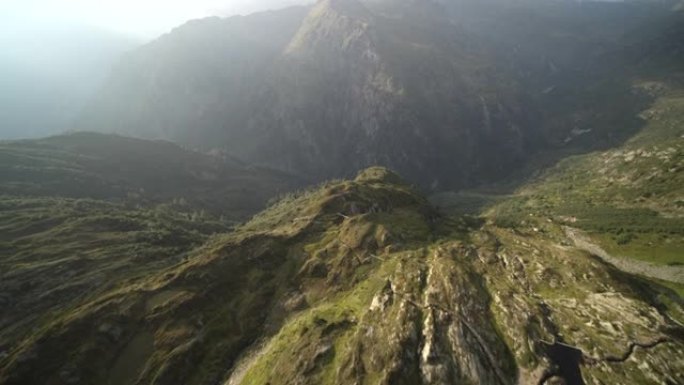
x: 85, y: 214
x: 136, y: 172
x: 225, y: 283
x: 630, y: 198
x: 349, y: 282
x: 57, y: 252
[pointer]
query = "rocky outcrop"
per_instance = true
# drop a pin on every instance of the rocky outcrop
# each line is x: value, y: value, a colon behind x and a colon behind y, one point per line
x: 311, y: 292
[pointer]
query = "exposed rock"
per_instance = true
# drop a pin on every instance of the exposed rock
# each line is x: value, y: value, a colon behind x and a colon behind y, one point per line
x: 296, y: 302
x: 286, y: 303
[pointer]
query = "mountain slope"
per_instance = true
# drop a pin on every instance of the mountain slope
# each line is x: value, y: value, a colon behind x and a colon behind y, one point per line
x: 137, y: 172
x: 341, y: 85
x: 83, y: 214
x: 193, y: 84
x: 630, y: 198
x: 362, y: 96
x: 58, y: 252
x: 363, y: 282
x: 430, y: 89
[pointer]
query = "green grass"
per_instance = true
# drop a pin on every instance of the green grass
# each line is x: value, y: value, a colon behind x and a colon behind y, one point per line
x: 130, y: 363
x: 55, y: 247
x: 87, y: 219
x: 137, y: 172
x: 303, y: 330
x: 649, y: 247
x: 678, y: 288
x: 631, y: 198
x: 222, y: 293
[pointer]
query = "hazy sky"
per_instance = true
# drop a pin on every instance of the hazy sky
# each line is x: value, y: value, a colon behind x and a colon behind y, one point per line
x: 139, y: 18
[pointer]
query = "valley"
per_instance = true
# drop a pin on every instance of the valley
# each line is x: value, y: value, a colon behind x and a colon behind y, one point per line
x: 418, y: 87
x: 362, y: 192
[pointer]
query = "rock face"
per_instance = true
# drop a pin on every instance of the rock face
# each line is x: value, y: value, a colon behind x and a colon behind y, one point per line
x: 431, y: 89
x: 313, y: 292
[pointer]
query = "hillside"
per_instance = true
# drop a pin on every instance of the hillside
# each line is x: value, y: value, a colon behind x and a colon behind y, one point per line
x: 629, y: 198
x: 534, y: 237
x: 360, y: 282
x: 137, y: 173
x: 84, y: 213
x: 428, y: 88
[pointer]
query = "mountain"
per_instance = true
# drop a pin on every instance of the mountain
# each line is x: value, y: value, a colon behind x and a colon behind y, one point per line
x: 623, y: 203
x: 357, y: 281
x: 630, y: 198
x: 199, y: 72
x: 84, y: 213
x: 155, y: 260
x: 137, y: 172
x: 47, y: 76
x: 431, y: 89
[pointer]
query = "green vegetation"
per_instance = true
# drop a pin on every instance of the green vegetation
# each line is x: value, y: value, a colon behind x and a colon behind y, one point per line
x: 137, y: 173
x: 57, y: 252
x: 131, y: 262
x: 88, y: 220
x: 629, y: 197
x: 109, y: 255
x: 331, y: 285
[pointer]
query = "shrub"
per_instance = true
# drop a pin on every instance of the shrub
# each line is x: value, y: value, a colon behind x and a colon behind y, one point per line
x: 624, y: 238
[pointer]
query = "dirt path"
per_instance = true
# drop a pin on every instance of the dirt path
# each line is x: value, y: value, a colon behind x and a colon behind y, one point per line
x: 629, y: 265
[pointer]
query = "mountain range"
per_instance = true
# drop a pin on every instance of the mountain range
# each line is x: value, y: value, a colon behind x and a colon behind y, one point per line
x: 381, y: 192
x: 428, y: 88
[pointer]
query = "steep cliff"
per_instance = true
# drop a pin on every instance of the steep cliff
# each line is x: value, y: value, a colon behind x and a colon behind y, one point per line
x: 430, y: 89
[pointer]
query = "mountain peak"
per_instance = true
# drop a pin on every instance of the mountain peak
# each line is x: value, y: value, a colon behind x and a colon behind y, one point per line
x: 337, y: 19
x: 379, y: 174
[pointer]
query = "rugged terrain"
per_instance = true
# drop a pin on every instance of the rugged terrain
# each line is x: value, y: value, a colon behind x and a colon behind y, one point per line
x: 132, y: 262
x: 358, y: 282
x: 630, y: 198
x: 428, y: 88
x: 138, y: 173
x: 81, y: 214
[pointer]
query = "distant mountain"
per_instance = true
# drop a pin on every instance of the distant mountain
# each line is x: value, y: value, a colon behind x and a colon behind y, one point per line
x: 128, y: 261
x: 138, y: 173
x: 429, y: 88
x: 192, y: 78
x: 47, y: 76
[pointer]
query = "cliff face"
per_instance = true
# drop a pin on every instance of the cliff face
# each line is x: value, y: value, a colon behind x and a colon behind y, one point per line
x: 356, y: 88
x: 362, y: 282
x: 194, y: 84
x: 430, y: 89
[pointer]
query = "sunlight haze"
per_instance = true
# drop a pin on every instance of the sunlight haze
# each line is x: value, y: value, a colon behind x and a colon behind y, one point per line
x: 376, y: 192
x: 142, y: 19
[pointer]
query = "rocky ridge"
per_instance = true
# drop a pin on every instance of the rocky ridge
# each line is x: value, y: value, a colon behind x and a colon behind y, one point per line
x: 363, y: 282
x: 430, y: 89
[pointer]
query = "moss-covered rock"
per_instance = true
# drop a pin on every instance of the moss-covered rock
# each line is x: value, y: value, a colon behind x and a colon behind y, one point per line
x: 312, y: 291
